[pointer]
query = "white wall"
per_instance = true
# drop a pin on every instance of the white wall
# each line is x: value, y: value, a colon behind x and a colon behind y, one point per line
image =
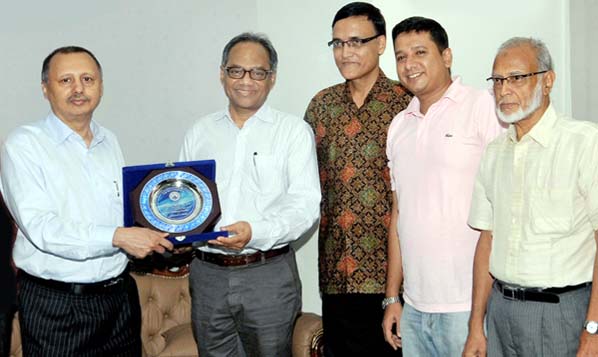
x: 161, y: 60
x: 584, y: 51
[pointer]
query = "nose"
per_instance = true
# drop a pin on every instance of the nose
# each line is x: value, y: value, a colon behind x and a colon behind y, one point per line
x: 246, y: 77
x: 346, y: 50
x: 409, y: 62
x: 77, y: 86
x: 503, y: 89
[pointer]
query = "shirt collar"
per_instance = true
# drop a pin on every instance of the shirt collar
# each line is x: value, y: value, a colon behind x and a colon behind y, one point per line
x: 543, y: 131
x: 264, y: 114
x: 380, y: 82
x: 455, y: 93
x: 60, y: 132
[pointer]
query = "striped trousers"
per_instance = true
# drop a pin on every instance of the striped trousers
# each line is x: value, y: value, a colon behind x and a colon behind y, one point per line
x: 58, y: 323
x: 530, y: 328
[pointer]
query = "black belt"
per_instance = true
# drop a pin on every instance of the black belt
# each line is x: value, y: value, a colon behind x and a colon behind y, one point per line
x: 101, y: 287
x: 227, y: 260
x: 549, y: 295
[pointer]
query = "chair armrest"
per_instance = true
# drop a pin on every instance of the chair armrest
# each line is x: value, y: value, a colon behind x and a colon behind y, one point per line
x: 307, y: 336
x: 16, y: 349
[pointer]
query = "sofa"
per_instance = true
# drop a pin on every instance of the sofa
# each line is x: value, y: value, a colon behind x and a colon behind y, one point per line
x: 166, y: 320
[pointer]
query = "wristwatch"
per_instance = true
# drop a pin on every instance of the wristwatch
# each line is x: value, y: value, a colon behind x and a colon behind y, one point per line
x: 394, y: 299
x: 591, y: 327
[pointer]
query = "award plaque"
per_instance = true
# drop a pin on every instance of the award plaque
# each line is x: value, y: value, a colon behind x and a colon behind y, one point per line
x: 178, y: 198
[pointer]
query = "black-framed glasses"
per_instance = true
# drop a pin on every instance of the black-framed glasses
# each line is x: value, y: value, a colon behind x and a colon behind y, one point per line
x: 353, y: 42
x: 514, y: 80
x: 258, y: 74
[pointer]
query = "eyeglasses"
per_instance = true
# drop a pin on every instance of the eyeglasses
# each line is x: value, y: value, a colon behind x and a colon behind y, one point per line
x: 354, y: 42
x: 516, y: 80
x: 258, y: 74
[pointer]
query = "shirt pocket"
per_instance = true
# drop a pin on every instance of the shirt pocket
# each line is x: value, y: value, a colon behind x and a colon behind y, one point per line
x: 551, y: 212
x: 267, y: 174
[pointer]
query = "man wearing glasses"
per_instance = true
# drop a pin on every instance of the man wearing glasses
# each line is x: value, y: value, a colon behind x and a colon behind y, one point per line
x: 536, y: 203
x: 350, y: 121
x: 434, y: 147
x: 245, y: 288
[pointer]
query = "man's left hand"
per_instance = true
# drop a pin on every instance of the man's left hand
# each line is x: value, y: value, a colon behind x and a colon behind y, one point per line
x: 588, y: 345
x: 241, y: 236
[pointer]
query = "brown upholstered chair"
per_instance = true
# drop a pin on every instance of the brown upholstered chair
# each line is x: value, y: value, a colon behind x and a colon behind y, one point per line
x: 166, y: 325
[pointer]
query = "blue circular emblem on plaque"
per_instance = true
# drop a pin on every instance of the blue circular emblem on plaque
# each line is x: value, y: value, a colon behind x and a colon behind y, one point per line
x: 176, y: 201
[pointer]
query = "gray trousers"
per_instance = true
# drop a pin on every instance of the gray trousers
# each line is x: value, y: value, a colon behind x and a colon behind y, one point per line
x: 245, y: 311
x: 529, y: 328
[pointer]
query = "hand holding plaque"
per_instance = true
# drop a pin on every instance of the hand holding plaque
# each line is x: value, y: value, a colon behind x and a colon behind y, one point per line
x: 179, y: 198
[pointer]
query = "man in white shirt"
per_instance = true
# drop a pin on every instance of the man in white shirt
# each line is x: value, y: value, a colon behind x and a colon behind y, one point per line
x: 536, y: 203
x: 245, y: 288
x: 60, y: 179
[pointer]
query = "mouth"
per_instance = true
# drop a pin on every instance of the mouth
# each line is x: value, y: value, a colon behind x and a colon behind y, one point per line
x: 414, y: 75
x: 244, y: 92
x: 507, y: 106
x: 78, y: 100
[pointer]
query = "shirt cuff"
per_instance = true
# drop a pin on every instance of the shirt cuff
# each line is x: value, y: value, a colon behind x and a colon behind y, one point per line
x: 479, y: 224
x: 260, y: 235
x: 103, y: 238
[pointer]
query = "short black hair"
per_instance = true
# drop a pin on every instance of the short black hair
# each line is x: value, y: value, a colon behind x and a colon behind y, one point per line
x: 423, y: 24
x: 372, y: 13
x: 63, y: 51
x: 255, y: 38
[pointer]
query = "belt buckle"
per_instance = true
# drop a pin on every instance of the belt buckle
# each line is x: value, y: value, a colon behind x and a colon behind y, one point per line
x: 513, y: 294
x: 113, y: 282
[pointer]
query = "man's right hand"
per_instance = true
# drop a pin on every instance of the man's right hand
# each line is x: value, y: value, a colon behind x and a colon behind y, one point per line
x: 140, y: 242
x: 392, y: 316
x: 475, y: 346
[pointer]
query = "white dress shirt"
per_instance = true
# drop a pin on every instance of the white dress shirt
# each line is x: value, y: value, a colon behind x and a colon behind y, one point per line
x: 266, y: 174
x: 66, y: 200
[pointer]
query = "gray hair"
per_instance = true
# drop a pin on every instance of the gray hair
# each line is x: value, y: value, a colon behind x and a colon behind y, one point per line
x: 255, y: 38
x: 542, y: 54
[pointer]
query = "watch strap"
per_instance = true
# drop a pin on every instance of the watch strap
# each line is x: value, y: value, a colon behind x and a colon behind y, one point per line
x: 390, y: 300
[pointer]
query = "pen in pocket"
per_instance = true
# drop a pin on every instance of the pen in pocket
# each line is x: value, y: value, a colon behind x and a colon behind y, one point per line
x: 117, y: 190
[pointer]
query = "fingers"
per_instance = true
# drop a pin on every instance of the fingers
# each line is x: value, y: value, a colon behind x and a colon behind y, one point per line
x: 165, y: 243
x: 393, y: 340
x: 181, y: 250
x: 236, y: 242
x: 397, y: 340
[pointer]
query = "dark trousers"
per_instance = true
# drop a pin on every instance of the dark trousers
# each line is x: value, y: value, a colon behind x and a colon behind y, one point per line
x: 58, y: 323
x: 353, y: 326
x: 5, y: 331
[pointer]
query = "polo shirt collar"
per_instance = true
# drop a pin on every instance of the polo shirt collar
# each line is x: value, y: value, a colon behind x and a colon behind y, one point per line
x: 455, y: 93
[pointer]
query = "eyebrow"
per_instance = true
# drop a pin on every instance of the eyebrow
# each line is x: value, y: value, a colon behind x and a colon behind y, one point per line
x: 350, y: 38
x: 513, y: 73
x: 417, y: 47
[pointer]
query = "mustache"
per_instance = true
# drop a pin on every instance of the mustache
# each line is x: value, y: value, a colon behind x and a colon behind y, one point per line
x: 78, y: 97
x: 502, y: 101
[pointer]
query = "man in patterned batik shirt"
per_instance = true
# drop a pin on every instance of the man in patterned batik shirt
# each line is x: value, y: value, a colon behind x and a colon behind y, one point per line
x: 350, y: 121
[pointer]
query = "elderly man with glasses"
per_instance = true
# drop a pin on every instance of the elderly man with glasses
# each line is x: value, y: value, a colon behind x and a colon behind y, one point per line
x: 245, y: 288
x: 350, y: 121
x: 536, y: 203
